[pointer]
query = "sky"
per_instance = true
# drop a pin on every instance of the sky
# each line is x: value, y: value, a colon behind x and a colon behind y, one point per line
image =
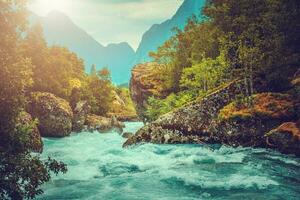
x: 111, y: 21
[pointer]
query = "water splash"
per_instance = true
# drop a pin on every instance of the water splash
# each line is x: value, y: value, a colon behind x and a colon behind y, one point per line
x: 100, y: 169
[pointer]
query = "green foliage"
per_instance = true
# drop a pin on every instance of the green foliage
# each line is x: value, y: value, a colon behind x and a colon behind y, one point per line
x: 260, y: 39
x: 96, y: 89
x: 60, y: 72
x: 158, y: 107
x: 187, y: 48
x: 206, y: 75
x: 255, y: 41
x: 21, y: 172
x: 56, y: 69
x: 99, y: 92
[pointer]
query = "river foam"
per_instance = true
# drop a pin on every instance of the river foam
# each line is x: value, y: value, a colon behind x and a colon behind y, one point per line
x: 99, y: 168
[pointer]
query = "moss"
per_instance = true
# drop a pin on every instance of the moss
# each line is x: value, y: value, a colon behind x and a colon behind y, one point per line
x: 54, y: 114
x: 265, y: 105
x: 50, y: 98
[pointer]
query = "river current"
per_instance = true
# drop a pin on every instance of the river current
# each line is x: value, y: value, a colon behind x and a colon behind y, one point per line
x: 100, y: 169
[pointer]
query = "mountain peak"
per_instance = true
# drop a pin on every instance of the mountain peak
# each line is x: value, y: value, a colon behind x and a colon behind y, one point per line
x: 159, y: 33
x: 123, y: 45
x: 189, y: 7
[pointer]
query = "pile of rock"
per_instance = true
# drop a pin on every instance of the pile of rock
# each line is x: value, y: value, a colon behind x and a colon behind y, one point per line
x: 57, y: 119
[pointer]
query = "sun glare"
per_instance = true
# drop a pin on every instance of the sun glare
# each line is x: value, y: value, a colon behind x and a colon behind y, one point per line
x: 43, y: 7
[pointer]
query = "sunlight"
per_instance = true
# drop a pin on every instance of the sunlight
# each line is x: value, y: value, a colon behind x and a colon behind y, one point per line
x: 43, y: 7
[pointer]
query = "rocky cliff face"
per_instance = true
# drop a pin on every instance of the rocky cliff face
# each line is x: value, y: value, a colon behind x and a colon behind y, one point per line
x: 219, y: 118
x: 54, y: 114
x: 145, y: 82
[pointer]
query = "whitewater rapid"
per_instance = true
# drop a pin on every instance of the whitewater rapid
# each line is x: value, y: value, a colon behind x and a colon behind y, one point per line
x: 99, y: 168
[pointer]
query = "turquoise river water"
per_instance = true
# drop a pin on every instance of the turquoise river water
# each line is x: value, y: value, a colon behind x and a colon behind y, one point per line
x: 100, y: 169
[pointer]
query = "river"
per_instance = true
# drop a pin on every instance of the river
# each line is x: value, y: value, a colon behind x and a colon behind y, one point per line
x: 99, y: 168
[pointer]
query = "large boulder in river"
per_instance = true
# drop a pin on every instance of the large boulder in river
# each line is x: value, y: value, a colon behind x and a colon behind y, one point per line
x: 285, y: 138
x: 241, y: 125
x: 191, y: 123
x: 53, y: 113
x: 222, y: 117
x: 35, y: 140
x: 103, y: 124
x: 81, y: 110
x: 145, y: 82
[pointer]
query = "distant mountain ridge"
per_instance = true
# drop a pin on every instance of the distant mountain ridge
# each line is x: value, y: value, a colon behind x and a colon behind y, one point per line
x: 120, y: 58
x: 60, y: 30
x: 159, y: 33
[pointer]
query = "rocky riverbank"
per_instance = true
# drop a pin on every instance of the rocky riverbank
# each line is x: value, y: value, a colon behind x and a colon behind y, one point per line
x: 55, y: 118
x: 222, y: 117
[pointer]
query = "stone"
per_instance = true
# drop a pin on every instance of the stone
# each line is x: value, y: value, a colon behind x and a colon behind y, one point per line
x: 127, y: 135
x: 191, y: 122
x: 145, y: 82
x: 103, y: 124
x: 54, y: 114
x: 242, y: 126
x: 81, y: 111
x: 218, y: 118
x: 285, y: 138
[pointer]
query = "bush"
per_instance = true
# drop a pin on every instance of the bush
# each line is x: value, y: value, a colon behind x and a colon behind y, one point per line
x: 158, y: 107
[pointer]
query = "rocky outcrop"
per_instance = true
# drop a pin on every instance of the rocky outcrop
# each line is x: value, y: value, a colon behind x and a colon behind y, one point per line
x: 192, y: 120
x: 222, y: 117
x: 103, y: 124
x: 122, y: 108
x: 53, y: 113
x: 127, y: 135
x: 145, y: 82
x: 81, y: 111
x: 239, y: 125
x: 128, y: 117
x: 35, y: 140
x: 285, y: 138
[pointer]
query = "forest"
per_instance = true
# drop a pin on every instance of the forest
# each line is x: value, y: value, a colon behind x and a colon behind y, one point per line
x: 28, y: 66
x: 255, y: 43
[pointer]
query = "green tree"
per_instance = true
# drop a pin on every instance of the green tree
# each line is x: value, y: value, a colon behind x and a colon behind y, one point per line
x: 204, y: 76
x: 99, y: 91
x: 260, y: 38
x: 21, y: 173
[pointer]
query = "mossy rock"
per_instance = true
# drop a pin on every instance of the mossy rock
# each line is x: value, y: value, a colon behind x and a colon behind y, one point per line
x: 240, y: 125
x: 54, y: 114
x: 264, y: 106
x: 81, y: 111
x: 285, y: 138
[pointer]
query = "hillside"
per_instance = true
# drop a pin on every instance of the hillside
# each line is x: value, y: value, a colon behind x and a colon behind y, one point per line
x: 59, y: 29
x: 159, y: 33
